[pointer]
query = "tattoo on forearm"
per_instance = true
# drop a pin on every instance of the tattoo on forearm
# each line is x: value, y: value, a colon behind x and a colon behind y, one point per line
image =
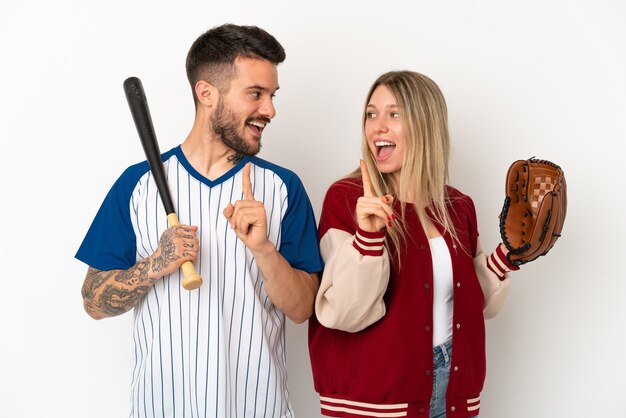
x: 134, y: 277
x: 167, y: 252
x: 116, y: 301
x: 110, y: 293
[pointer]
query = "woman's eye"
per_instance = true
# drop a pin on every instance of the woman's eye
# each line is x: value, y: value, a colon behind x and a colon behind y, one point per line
x: 395, y: 115
x: 370, y: 115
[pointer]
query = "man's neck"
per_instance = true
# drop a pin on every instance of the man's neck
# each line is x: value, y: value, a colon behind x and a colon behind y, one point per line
x: 206, y: 153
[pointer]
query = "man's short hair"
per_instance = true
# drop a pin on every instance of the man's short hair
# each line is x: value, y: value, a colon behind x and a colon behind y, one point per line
x: 212, y: 56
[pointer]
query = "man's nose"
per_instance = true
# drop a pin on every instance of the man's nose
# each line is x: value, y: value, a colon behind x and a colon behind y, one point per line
x: 267, y: 109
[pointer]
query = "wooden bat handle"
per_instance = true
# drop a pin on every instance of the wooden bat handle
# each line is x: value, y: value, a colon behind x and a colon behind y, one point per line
x: 191, y: 279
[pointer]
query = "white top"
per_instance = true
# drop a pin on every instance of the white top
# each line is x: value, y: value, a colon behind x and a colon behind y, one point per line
x: 443, y: 293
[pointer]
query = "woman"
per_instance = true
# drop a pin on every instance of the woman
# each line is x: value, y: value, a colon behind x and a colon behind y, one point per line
x: 406, y: 287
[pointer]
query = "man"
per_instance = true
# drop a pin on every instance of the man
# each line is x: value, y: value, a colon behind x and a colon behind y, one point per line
x: 219, y: 350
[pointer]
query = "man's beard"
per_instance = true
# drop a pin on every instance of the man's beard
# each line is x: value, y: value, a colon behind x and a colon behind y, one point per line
x: 225, y: 125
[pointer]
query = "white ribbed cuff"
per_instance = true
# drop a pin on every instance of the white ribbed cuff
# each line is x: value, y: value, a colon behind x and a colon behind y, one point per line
x: 499, y: 264
x: 369, y: 243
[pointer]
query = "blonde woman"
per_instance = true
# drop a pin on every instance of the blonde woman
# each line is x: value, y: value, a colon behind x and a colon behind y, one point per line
x: 399, y: 327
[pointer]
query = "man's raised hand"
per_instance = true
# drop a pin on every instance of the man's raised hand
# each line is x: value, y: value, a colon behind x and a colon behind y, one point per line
x: 247, y: 217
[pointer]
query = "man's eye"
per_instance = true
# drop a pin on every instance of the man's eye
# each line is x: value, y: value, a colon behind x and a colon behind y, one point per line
x: 255, y: 94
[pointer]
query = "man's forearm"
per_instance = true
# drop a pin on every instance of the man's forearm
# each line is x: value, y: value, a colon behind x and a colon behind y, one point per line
x: 290, y: 290
x: 114, y: 292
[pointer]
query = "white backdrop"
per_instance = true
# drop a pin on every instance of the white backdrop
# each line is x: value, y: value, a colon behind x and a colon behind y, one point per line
x: 538, y: 78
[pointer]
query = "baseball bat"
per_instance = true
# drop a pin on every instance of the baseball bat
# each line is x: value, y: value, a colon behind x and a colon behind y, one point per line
x: 143, y: 122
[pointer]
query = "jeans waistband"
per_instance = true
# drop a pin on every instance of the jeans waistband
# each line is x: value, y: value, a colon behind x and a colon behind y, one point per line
x: 442, y: 354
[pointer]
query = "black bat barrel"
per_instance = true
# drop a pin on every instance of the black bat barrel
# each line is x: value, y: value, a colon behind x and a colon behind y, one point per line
x: 143, y: 122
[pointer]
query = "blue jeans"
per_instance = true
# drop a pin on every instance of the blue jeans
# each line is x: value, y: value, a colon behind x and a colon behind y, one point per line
x: 441, y: 360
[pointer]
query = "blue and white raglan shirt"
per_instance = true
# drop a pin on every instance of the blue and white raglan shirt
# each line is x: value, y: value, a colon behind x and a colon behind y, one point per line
x: 219, y: 350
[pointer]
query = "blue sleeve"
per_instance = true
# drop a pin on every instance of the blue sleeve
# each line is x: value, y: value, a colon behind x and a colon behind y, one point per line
x: 299, y: 233
x: 110, y: 242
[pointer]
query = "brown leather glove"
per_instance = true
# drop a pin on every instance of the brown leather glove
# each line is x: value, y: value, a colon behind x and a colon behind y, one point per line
x: 534, y: 209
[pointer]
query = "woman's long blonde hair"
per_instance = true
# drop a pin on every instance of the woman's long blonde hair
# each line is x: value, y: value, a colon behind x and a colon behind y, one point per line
x: 424, y: 172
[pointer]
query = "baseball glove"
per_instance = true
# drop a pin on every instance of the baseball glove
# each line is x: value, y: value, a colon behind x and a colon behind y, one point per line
x: 534, y: 209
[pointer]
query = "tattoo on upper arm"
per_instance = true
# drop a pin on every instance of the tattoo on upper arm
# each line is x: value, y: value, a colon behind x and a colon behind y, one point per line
x: 93, y: 281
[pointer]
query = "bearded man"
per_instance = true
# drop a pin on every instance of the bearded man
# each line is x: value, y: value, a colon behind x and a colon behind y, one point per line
x: 246, y: 224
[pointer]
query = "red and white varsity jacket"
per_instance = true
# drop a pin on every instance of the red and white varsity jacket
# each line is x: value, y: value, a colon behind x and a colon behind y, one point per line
x: 370, y: 341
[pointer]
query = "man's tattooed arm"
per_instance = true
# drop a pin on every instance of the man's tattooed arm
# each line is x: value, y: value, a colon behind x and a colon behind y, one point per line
x: 113, y: 292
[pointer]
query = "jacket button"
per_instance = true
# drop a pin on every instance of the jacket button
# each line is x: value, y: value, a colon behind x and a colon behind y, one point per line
x: 458, y: 326
x: 424, y: 246
x: 453, y: 408
x: 422, y: 411
x: 456, y: 368
x: 427, y: 328
x: 427, y: 372
x: 458, y: 284
x: 427, y: 286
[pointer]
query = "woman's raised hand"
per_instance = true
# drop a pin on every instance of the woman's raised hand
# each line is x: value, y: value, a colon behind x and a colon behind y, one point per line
x: 373, y: 213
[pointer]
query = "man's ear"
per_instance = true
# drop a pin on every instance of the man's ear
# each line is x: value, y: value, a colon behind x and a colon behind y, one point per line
x: 206, y: 93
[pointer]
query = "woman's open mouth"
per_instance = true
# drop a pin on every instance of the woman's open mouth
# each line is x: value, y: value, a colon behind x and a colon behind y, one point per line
x: 384, y: 149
